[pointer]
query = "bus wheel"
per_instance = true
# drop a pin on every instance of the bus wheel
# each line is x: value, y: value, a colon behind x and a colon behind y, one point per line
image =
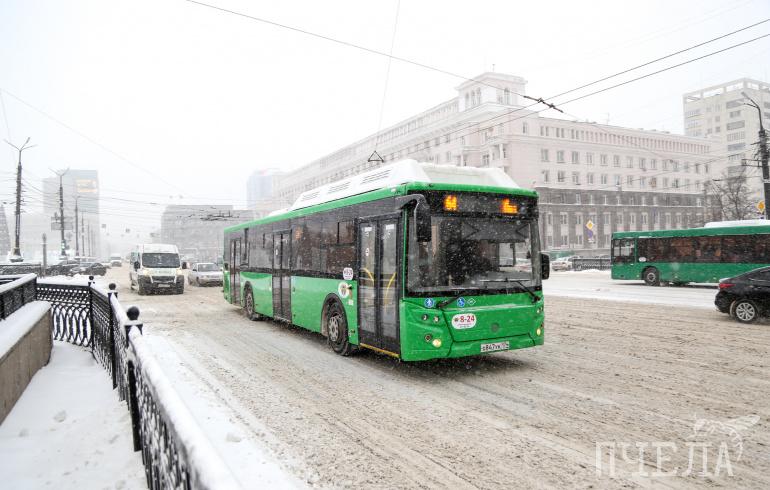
x: 337, y: 330
x: 248, y: 305
x: 744, y: 310
x: 651, y: 276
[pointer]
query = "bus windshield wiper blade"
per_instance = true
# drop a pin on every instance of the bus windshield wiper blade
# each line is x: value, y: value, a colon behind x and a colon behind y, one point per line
x: 444, y: 302
x: 535, y: 298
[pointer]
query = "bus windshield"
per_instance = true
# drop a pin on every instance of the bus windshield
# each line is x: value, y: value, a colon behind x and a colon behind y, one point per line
x: 485, y: 254
x: 160, y: 260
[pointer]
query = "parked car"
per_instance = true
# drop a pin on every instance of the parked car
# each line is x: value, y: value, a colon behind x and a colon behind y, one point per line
x: 205, y: 274
x: 563, y: 263
x: 745, y: 297
x: 89, y: 269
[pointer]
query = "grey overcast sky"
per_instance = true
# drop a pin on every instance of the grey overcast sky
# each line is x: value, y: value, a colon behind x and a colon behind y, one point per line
x: 194, y: 99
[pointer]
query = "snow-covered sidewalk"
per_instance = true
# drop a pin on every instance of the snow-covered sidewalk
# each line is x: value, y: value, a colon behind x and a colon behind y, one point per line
x: 68, y: 430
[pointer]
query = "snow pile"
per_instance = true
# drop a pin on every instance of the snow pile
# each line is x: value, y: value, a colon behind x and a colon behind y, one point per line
x: 21, y: 321
x: 207, y: 470
x: 68, y: 430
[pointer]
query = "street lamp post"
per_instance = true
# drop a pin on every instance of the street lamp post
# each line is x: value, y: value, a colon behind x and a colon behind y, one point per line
x: 16, y: 252
x: 764, y: 154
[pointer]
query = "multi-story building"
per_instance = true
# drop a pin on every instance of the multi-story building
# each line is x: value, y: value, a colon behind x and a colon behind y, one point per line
x: 198, y: 230
x: 720, y: 113
x: 593, y: 178
x: 83, y: 186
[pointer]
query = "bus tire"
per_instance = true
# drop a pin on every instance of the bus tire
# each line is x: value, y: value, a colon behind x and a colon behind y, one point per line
x: 651, y: 276
x: 248, y: 305
x: 744, y: 310
x: 337, y: 329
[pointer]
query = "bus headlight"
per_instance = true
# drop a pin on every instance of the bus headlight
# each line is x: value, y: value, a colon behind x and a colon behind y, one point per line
x: 436, y: 343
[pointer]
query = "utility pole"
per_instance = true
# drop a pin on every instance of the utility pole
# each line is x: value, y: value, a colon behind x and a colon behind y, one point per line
x: 45, y: 255
x: 63, y: 254
x: 16, y: 252
x: 77, y: 242
x: 82, y: 230
x: 764, y: 154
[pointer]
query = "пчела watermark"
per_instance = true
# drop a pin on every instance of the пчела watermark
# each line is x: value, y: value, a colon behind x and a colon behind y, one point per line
x: 711, y: 449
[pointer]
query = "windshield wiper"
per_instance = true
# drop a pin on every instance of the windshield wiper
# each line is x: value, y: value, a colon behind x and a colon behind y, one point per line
x: 535, y: 298
x: 444, y: 302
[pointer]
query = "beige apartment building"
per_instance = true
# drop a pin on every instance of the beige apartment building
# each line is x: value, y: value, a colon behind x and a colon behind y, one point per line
x: 719, y: 113
x: 593, y: 179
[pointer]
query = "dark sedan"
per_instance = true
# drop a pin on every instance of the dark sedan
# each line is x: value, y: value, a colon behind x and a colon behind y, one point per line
x: 745, y: 297
x: 90, y: 269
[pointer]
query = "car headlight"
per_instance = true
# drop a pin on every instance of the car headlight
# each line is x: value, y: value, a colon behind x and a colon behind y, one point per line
x: 145, y: 272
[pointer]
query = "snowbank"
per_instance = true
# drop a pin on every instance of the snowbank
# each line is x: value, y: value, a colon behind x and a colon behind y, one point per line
x: 19, y: 323
x: 69, y: 431
x: 207, y: 470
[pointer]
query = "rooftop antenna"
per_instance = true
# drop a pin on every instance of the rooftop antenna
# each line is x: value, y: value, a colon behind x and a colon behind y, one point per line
x: 375, y: 157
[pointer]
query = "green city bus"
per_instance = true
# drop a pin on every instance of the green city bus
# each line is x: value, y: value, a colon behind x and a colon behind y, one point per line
x: 413, y: 260
x: 700, y: 255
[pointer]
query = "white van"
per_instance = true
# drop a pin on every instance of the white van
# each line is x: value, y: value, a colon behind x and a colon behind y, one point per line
x: 156, y: 267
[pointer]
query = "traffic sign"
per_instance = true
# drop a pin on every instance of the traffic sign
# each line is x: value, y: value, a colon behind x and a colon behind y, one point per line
x: 590, y: 224
x: 761, y: 206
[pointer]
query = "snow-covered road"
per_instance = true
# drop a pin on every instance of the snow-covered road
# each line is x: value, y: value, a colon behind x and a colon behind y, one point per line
x: 629, y: 372
x: 598, y: 285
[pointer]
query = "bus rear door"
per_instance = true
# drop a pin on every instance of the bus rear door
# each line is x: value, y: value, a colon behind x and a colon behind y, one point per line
x: 235, y: 275
x: 281, y: 276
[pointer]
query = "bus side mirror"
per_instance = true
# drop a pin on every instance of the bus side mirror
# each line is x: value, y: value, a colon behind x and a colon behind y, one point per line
x: 227, y: 266
x: 545, y: 266
x: 184, y: 265
x: 421, y: 214
x: 136, y: 265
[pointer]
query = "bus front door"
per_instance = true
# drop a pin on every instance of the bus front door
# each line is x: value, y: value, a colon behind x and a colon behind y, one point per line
x: 281, y: 276
x: 235, y: 276
x: 378, y: 285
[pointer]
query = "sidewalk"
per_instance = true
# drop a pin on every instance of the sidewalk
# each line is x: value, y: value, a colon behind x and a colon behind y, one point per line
x: 69, y: 431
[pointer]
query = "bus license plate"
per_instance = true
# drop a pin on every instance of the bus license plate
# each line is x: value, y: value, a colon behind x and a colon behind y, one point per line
x: 164, y: 285
x: 495, y: 346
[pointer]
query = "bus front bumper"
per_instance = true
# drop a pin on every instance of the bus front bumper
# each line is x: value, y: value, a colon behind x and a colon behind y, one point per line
x: 455, y: 349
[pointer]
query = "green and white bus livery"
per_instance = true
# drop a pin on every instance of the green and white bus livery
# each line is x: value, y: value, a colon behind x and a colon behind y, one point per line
x: 413, y: 260
x: 700, y: 255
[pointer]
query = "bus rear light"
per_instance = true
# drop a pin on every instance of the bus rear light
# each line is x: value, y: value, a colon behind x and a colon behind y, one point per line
x: 725, y: 285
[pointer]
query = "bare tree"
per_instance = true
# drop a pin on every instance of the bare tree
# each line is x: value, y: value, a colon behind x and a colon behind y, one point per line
x: 730, y: 198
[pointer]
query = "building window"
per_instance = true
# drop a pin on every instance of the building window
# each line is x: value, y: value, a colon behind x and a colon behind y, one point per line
x: 561, y: 176
x: 603, y: 160
x: 735, y: 125
x: 653, y: 164
x: 576, y: 178
x: 629, y: 162
x: 575, y: 157
x: 546, y: 176
x: 563, y: 218
x: 590, y: 178
x: 629, y: 180
x: 616, y: 160
x: 604, y: 179
x: 589, y: 158
x: 617, y: 179
x: 643, y: 163
x: 549, y: 219
x: 560, y: 156
x: 543, y: 155
x: 485, y: 160
x: 565, y: 240
x: 524, y: 128
x: 642, y: 182
x: 578, y: 219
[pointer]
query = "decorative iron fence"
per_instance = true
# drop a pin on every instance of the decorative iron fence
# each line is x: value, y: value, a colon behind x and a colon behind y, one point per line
x: 175, y: 452
x: 595, y: 263
x: 15, y: 292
